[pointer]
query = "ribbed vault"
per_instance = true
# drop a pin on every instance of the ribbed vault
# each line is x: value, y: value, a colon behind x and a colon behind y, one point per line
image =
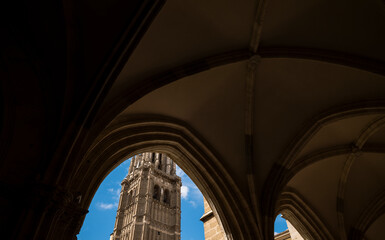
x: 270, y: 105
x: 333, y: 173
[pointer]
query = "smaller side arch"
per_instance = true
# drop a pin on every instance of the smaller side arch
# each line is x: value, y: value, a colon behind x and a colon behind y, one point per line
x: 369, y: 215
x: 294, y: 209
x: 290, y: 163
x: 131, y: 136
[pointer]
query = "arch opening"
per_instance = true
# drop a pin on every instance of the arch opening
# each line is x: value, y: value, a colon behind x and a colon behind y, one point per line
x: 179, y: 142
x: 284, y: 229
x: 164, y: 197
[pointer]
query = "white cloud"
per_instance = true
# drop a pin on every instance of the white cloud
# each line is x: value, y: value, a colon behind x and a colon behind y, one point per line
x: 189, y: 191
x: 115, y: 192
x: 179, y: 172
x: 194, y: 204
x: 106, y: 206
x: 196, y: 194
x: 184, y: 192
x: 275, y: 233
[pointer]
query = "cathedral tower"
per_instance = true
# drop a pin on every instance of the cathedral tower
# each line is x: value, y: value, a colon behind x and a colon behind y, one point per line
x: 149, y: 204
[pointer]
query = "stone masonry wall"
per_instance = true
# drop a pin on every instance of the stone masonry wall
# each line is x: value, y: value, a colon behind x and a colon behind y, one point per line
x: 213, y: 230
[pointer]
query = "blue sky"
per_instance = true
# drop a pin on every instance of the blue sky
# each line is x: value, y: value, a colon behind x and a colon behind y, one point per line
x: 279, y: 224
x: 100, y: 220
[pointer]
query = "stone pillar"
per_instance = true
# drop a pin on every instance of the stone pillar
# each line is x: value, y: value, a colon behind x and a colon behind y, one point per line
x: 147, y: 207
x: 131, y: 168
x: 164, y: 162
x: 158, y: 161
x: 119, y: 222
x: 173, y: 169
x: 168, y: 165
x: 52, y: 214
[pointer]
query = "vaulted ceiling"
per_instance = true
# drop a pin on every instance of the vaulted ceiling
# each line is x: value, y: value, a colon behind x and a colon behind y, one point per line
x: 316, y: 85
x: 288, y: 96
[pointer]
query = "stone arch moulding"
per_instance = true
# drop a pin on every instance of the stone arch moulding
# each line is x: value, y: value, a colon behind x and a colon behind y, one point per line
x: 289, y: 160
x: 322, y: 120
x: 287, y: 166
x: 352, y: 152
x: 133, y: 135
x: 369, y: 215
x: 294, y: 209
x: 358, y: 145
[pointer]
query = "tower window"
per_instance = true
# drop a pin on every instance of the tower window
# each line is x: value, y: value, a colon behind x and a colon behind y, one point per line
x: 153, y: 157
x: 166, y: 197
x: 129, y: 198
x: 160, y: 162
x: 156, y: 194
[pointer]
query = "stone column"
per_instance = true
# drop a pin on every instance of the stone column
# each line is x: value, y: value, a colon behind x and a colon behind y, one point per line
x: 120, y: 213
x: 147, y: 207
x: 130, y: 170
x: 168, y: 166
x: 52, y: 214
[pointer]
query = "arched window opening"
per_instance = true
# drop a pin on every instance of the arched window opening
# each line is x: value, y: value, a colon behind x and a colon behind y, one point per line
x: 166, y: 196
x: 166, y: 188
x: 280, y: 228
x: 160, y: 163
x: 284, y: 230
x: 156, y: 192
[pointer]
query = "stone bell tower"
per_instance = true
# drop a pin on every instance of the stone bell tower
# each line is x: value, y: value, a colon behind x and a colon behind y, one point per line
x: 149, y: 205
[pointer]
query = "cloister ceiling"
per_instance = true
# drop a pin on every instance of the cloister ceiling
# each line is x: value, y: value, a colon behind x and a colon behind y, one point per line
x: 272, y: 105
x: 306, y: 100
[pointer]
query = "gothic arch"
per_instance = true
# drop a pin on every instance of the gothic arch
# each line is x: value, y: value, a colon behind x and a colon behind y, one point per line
x: 326, y: 118
x: 294, y: 209
x: 123, y: 100
x: 369, y: 215
x: 292, y: 162
x: 131, y: 136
